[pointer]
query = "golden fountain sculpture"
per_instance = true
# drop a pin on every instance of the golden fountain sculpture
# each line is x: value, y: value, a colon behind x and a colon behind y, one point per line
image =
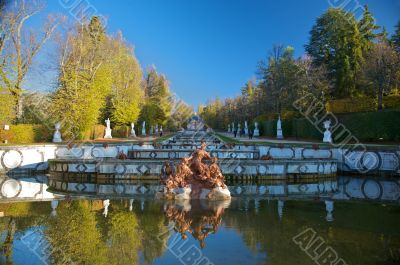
x: 194, y: 179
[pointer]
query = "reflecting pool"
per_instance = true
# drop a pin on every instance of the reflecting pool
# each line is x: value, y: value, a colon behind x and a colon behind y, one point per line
x: 301, y: 227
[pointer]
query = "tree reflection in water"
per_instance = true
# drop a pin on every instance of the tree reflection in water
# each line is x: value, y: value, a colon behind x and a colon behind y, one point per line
x: 255, y: 230
x: 197, y: 218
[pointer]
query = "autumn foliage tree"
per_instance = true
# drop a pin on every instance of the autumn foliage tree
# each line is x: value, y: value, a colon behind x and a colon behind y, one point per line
x: 85, y: 78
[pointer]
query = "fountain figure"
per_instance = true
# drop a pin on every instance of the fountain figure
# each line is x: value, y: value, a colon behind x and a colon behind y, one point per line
x: 194, y: 178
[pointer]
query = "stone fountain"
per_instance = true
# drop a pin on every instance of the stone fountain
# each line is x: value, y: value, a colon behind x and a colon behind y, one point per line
x: 194, y: 179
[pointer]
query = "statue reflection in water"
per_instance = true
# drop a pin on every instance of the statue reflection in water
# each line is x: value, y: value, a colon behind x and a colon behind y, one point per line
x: 196, y: 218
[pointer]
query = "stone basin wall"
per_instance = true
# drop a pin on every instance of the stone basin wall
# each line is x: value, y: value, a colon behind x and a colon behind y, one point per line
x: 34, y: 158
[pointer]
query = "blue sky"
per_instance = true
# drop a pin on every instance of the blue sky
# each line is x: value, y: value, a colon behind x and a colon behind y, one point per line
x: 210, y: 48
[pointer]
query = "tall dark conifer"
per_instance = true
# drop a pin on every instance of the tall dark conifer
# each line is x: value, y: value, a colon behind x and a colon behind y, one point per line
x: 336, y: 42
x: 396, y: 38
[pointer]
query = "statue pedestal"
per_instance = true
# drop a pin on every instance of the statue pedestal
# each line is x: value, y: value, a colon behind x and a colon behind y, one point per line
x: 108, y: 134
x: 57, y: 137
x: 279, y: 134
x: 327, y: 137
x: 246, y: 131
x: 256, y: 133
x: 133, y: 133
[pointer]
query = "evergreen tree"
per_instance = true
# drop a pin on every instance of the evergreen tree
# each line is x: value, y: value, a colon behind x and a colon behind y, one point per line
x: 384, y: 35
x: 367, y: 28
x: 248, y: 89
x: 396, y: 38
x: 96, y: 30
x: 280, y: 76
x: 336, y: 42
x: 158, y: 104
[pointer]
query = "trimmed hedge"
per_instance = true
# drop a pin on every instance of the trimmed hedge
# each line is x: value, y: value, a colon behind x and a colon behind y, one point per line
x: 297, y: 128
x: 365, y: 126
x: 303, y: 129
x: 373, y: 126
x: 362, y: 104
x: 98, y: 131
x: 36, y: 133
x: 121, y: 131
x: 26, y: 134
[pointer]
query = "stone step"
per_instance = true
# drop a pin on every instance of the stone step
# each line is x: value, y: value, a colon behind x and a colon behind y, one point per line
x: 228, y: 167
x: 181, y: 153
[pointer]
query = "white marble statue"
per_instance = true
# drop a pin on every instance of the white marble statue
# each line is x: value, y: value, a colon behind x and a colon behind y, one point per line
x: 256, y: 130
x: 107, y: 135
x: 54, y: 205
x: 329, y: 207
x: 279, y: 133
x: 239, y: 128
x: 327, y: 133
x: 151, y: 130
x: 281, y: 204
x: 161, y: 130
x: 246, y: 128
x: 144, y: 128
x: 133, y: 132
x: 57, y: 134
x: 106, y: 204
x: 233, y: 127
x: 229, y: 128
x: 156, y: 130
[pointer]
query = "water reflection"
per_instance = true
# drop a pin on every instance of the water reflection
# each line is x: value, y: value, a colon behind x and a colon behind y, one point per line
x: 357, y: 217
x: 246, y: 231
x: 340, y: 188
x: 196, y: 218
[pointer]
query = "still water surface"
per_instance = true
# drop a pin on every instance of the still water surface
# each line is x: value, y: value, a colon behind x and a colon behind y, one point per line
x: 247, y: 230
